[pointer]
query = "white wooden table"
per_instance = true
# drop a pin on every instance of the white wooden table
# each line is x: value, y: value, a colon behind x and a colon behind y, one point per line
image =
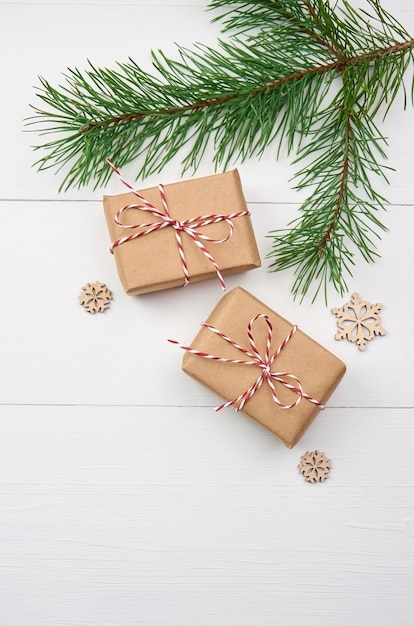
x: 124, y: 498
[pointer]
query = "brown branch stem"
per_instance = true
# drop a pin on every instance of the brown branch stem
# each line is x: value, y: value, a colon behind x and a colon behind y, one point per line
x: 338, y: 65
x: 343, y: 183
x: 332, y: 45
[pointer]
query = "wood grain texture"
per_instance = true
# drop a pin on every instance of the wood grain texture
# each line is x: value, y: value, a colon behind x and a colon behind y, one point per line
x: 124, y: 498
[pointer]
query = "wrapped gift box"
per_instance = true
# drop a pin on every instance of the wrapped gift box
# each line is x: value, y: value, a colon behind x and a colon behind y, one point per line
x: 152, y: 262
x: 301, y: 363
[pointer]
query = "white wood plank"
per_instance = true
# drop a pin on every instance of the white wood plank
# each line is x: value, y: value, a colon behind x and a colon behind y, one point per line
x: 56, y: 352
x: 119, y: 6
x: 181, y: 518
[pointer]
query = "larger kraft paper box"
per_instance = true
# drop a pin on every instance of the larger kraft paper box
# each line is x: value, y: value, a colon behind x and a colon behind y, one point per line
x: 152, y: 262
x: 317, y: 370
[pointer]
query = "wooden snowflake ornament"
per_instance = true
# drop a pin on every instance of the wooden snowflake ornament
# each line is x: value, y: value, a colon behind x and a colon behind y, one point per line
x: 314, y: 466
x: 358, y: 321
x: 95, y: 297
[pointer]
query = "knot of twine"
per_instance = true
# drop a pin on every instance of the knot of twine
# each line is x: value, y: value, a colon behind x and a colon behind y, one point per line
x: 190, y: 226
x: 265, y: 362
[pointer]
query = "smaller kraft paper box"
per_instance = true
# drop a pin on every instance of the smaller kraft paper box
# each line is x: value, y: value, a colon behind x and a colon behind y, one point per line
x: 263, y: 365
x: 180, y: 233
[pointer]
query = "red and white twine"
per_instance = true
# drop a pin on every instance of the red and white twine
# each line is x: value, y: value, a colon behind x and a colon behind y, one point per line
x: 288, y: 380
x: 190, y: 226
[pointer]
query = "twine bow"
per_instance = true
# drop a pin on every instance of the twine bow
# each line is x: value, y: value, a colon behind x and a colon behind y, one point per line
x: 190, y: 226
x: 288, y: 380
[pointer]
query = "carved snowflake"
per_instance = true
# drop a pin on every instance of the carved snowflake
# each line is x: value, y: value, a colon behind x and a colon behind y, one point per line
x: 95, y: 297
x: 314, y: 466
x: 358, y: 321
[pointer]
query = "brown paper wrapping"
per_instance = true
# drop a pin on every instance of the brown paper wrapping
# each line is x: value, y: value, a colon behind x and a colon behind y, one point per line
x: 152, y: 262
x: 318, y: 370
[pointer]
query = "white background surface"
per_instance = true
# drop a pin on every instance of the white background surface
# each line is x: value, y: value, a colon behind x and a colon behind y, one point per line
x: 124, y: 498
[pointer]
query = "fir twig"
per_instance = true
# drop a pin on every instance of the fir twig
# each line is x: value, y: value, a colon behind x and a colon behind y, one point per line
x: 302, y: 75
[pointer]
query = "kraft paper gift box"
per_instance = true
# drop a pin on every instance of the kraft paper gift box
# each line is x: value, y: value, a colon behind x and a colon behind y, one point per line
x: 152, y: 262
x: 301, y: 363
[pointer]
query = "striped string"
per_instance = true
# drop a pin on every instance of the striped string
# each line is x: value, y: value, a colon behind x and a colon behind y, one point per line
x: 288, y: 380
x: 190, y: 226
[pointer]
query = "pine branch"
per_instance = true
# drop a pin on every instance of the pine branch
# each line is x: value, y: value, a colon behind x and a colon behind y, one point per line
x: 340, y: 217
x: 269, y: 84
